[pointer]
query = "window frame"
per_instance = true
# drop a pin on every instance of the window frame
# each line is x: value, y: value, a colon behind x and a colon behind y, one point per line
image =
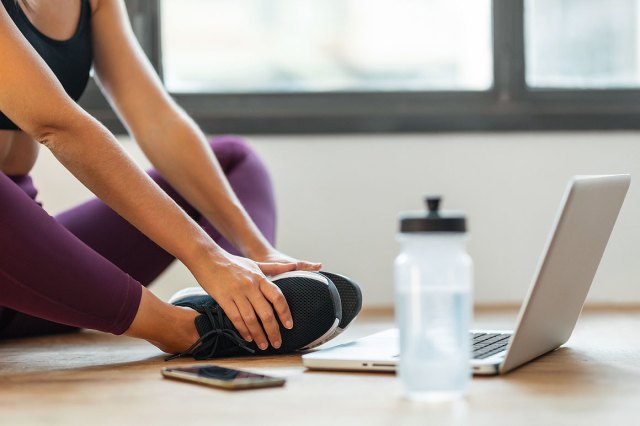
x: 508, y: 106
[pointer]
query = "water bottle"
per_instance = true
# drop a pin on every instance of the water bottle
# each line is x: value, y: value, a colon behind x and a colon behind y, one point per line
x: 433, y: 285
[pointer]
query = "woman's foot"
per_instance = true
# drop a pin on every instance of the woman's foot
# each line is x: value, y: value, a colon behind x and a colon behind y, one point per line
x: 315, y: 306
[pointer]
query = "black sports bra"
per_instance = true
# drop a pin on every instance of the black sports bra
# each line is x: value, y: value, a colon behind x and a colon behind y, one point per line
x: 70, y: 60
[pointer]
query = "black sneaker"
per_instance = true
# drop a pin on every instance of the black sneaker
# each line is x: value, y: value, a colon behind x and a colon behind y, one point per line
x: 350, y: 297
x: 315, y: 306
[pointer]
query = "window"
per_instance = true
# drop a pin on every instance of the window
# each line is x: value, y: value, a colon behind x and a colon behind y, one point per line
x: 307, y: 66
x: 583, y: 43
x: 240, y: 46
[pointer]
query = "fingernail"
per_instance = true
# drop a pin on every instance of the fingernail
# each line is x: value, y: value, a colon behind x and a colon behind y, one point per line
x: 277, y: 345
x: 263, y: 346
x: 248, y: 339
x: 289, y: 325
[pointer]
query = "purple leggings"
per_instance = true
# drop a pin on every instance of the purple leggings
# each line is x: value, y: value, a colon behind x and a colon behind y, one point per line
x: 84, y: 268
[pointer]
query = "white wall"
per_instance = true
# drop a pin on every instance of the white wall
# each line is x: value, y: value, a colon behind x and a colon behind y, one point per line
x: 339, y: 197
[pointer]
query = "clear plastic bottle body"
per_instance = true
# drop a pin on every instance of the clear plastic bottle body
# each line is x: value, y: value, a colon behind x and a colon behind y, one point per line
x: 433, y: 287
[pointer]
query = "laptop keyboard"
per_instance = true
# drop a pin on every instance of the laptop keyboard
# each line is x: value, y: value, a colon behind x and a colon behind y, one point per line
x: 486, y: 344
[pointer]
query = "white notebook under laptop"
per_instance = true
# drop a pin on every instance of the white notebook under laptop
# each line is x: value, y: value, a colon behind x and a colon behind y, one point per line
x: 557, y: 293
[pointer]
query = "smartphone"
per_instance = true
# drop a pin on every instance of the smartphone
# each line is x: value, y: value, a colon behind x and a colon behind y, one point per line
x: 222, y: 377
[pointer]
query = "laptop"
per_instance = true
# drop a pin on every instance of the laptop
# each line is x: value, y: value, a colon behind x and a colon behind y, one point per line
x: 587, y: 214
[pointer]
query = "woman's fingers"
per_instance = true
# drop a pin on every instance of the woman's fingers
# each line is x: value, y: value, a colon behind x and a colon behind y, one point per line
x: 258, y: 314
x: 274, y: 257
x: 308, y: 266
x: 247, y: 310
x: 277, y: 299
x: 276, y: 268
x: 234, y: 313
x: 268, y: 318
x: 253, y: 304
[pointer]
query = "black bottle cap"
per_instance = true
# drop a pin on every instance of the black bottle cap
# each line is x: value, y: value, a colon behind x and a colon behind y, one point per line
x: 434, y: 220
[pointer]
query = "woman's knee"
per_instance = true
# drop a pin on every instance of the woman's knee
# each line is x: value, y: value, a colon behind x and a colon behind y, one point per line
x: 232, y: 150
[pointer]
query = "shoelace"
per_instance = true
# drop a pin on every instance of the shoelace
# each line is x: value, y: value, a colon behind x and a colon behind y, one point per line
x: 217, y: 333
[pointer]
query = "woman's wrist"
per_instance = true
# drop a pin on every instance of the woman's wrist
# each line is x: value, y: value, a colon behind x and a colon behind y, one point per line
x: 203, y: 251
x: 257, y: 249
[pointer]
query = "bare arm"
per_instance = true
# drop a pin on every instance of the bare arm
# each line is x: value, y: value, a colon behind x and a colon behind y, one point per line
x: 169, y: 138
x: 93, y: 155
x: 83, y: 145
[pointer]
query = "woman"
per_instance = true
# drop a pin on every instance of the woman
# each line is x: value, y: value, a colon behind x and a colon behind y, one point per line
x: 88, y: 266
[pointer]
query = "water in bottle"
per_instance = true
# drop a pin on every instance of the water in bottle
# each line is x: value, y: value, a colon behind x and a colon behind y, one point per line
x: 433, y: 275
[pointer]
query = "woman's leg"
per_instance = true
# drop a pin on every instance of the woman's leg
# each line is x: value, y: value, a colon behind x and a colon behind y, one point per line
x: 47, y: 272
x: 116, y: 240
x: 12, y: 323
x: 51, y: 281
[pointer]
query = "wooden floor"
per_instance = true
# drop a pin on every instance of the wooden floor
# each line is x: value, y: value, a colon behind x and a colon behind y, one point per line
x: 96, y: 379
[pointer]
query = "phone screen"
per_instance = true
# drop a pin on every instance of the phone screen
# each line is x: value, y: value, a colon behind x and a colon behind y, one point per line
x: 215, y: 375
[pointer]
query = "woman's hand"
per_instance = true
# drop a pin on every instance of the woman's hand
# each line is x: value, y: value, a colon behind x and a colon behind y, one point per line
x: 241, y: 288
x: 275, y: 256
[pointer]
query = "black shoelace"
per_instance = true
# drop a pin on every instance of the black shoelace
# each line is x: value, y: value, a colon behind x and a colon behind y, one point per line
x: 215, y: 333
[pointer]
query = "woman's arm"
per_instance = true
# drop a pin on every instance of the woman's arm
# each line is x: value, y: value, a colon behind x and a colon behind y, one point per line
x: 31, y: 97
x: 86, y: 148
x: 169, y: 138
